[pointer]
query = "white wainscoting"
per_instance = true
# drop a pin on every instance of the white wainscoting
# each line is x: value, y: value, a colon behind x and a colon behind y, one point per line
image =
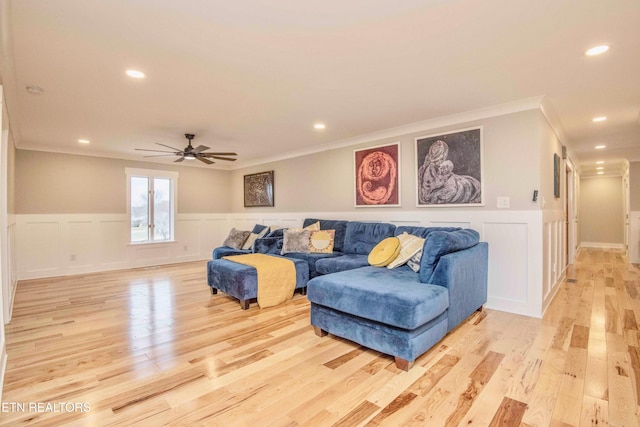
x: 525, y: 255
x: 58, y: 245
x: 10, y: 269
x: 554, y: 256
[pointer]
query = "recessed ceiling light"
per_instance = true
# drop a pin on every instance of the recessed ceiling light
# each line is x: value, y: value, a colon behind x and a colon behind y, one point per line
x: 136, y: 74
x: 597, y: 50
x: 84, y: 141
x: 319, y: 126
x: 599, y: 119
x: 600, y: 147
x: 600, y: 168
x: 599, y: 162
x: 600, y: 173
x: 35, y: 90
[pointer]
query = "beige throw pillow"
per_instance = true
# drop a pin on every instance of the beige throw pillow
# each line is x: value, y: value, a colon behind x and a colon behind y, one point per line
x: 409, y: 246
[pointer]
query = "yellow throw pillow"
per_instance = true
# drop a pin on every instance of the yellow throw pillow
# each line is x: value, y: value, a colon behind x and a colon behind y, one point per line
x: 409, y: 246
x: 384, y: 252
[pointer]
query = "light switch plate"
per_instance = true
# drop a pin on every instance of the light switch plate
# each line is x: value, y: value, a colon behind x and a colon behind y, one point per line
x: 503, y: 202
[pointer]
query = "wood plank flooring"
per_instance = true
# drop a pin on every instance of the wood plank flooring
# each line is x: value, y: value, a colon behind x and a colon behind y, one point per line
x: 152, y: 347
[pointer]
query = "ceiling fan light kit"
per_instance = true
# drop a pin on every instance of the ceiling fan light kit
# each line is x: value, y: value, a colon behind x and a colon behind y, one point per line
x: 191, y: 153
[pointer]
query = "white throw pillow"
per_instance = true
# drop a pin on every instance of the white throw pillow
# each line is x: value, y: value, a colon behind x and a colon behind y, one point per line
x: 409, y: 246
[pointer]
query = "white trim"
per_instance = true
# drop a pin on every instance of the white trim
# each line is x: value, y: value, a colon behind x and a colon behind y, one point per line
x: 151, y: 174
x: 155, y: 173
x: 602, y: 245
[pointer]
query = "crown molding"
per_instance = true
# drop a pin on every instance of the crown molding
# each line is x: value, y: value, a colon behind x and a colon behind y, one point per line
x: 533, y: 103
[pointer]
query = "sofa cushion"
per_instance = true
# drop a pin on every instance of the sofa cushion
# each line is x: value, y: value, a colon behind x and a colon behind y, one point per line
x: 263, y: 230
x: 328, y: 224
x: 268, y: 245
x: 440, y: 243
x: 259, y: 228
x: 341, y: 263
x: 421, y: 231
x: 313, y: 259
x: 361, y: 237
x: 276, y: 232
x: 393, y: 297
x: 384, y: 252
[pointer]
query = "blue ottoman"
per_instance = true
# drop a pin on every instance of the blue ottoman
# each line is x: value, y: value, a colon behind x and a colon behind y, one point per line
x: 241, y: 281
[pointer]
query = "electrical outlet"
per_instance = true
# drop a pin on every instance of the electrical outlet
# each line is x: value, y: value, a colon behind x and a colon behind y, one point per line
x: 72, y: 257
x: 185, y: 248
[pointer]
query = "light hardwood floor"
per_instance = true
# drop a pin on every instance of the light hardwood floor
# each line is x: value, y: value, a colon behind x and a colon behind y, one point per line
x: 153, y: 347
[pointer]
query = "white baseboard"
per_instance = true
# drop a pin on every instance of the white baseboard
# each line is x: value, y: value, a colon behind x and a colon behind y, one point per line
x: 602, y: 245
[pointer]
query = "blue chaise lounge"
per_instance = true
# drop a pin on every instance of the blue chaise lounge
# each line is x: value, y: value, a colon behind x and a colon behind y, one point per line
x: 398, y: 311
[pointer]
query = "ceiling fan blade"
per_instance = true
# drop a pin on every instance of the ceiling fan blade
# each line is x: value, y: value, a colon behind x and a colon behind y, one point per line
x: 219, y: 154
x: 165, y: 145
x: 161, y: 155
x: 222, y: 158
x: 202, y: 159
x: 157, y: 151
x: 199, y: 148
x: 179, y: 160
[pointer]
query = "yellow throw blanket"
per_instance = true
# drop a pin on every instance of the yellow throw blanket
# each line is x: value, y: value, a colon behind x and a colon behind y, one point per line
x: 276, y: 277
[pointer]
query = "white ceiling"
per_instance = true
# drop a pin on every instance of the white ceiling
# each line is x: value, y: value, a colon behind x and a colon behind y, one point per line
x: 254, y: 76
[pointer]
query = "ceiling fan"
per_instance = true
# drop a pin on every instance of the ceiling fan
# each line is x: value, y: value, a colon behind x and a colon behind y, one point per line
x: 191, y: 153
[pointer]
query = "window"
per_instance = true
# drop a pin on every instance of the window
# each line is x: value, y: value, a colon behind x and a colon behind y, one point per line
x: 151, y: 205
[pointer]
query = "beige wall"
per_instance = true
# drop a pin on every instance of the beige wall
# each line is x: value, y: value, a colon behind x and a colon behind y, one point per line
x: 601, y: 210
x: 634, y: 186
x: 48, y: 183
x: 324, y: 182
x: 320, y: 182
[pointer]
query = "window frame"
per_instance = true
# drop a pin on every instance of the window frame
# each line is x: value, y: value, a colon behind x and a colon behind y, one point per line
x: 152, y: 174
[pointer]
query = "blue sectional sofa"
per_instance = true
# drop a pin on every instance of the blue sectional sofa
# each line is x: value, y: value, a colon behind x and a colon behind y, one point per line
x: 395, y: 311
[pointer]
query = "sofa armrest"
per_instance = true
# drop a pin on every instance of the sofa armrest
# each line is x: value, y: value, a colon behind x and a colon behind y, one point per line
x: 464, y: 273
x: 223, y: 251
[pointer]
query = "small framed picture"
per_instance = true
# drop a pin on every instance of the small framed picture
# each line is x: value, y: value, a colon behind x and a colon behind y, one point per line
x: 258, y: 189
